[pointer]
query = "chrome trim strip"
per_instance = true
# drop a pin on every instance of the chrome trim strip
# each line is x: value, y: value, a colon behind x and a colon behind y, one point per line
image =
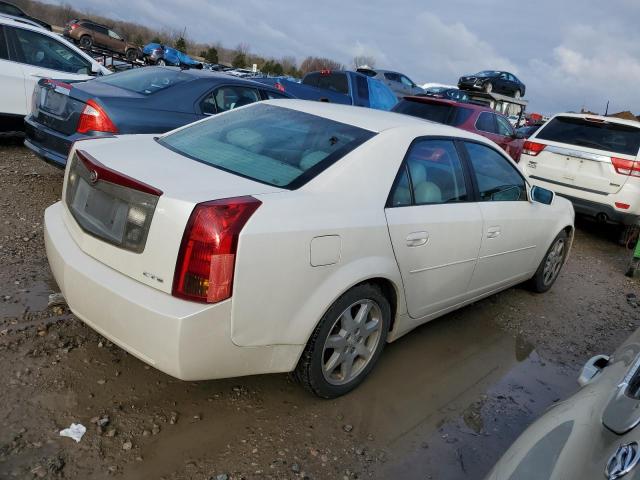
x: 509, y: 251
x: 569, y: 152
x: 597, y: 192
x: 418, y: 270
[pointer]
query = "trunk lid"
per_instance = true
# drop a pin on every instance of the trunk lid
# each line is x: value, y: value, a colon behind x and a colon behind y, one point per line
x: 136, y: 226
x: 578, y: 153
x: 58, y: 104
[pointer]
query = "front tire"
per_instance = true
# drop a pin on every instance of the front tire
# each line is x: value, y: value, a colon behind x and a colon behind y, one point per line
x: 346, y: 344
x: 132, y: 55
x: 517, y: 95
x: 161, y: 62
x: 488, y: 87
x: 551, y: 264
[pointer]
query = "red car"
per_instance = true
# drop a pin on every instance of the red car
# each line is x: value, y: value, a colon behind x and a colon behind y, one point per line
x: 467, y: 116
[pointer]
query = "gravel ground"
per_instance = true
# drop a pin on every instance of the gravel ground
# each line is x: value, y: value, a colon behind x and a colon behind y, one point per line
x: 444, y: 402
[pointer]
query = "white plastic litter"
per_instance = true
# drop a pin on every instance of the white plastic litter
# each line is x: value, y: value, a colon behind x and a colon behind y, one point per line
x: 75, y: 431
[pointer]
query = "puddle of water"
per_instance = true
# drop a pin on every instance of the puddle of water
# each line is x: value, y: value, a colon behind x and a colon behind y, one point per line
x: 32, y: 298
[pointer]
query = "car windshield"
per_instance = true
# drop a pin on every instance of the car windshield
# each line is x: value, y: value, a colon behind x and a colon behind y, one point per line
x: 146, y: 81
x: 487, y: 73
x: 436, y: 89
x: 436, y: 112
x: 595, y: 133
x: 273, y: 145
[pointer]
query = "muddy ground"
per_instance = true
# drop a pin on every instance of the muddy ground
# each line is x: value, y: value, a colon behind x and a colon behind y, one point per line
x: 444, y: 402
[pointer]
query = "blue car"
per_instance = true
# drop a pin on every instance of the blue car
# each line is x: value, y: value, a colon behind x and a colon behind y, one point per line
x: 141, y: 100
x: 158, y: 54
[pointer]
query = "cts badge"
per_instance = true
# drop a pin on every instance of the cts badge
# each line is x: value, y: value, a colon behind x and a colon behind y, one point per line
x: 623, y: 461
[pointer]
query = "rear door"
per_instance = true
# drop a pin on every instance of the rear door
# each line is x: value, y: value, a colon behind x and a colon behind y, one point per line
x: 44, y: 56
x: 513, y: 227
x: 508, y: 140
x: 100, y: 35
x: 435, y: 226
x: 578, y: 153
x: 116, y: 42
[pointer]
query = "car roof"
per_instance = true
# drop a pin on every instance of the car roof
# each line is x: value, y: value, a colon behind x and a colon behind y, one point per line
x: 205, y: 73
x: 24, y: 23
x: 602, y: 118
x: 367, y: 118
x: 446, y: 101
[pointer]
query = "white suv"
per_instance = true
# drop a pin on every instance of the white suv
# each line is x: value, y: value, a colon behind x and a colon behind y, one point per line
x: 28, y: 53
x: 591, y: 160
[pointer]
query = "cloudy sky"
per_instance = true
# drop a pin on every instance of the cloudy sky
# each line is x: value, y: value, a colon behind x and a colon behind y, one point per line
x: 569, y: 53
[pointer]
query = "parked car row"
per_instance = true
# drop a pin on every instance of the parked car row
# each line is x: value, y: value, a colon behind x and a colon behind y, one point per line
x: 88, y: 34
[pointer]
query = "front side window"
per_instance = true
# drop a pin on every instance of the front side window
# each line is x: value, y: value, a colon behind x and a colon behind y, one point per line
x: 273, y: 145
x: 44, y: 51
x: 434, y: 175
x: 486, y: 123
x: 114, y: 35
x: 497, y: 179
x: 406, y: 81
x: 504, y: 127
x: 4, y: 50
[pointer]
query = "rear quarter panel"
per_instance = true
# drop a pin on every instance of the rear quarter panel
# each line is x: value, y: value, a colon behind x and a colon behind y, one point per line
x: 278, y: 296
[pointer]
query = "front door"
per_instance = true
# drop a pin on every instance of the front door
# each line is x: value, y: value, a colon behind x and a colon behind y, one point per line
x: 513, y: 227
x: 43, y: 56
x: 435, y: 229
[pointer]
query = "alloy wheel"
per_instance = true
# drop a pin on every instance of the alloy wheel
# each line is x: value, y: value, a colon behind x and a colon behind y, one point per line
x: 553, y: 262
x: 352, y: 342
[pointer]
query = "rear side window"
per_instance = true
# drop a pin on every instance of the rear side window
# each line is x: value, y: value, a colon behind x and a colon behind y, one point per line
x: 436, y: 112
x: 486, y: 123
x: 609, y: 136
x: 4, y: 51
x: 146, y: 81
x: 496, y: 177
x: 269, y: 144
x: 228, y: 98
x: 10, y: 10
x: 432, y: 174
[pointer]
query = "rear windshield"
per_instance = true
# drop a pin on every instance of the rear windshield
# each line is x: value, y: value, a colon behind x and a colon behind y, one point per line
x: 436, y: 112
x: 609, y: 136
x: 273, y: 145
x: 146, y: 80
x: 336, y: 82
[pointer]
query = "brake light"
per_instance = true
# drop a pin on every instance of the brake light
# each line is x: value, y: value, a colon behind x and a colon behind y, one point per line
x: 325, y: 71
x: 206, y: 260
x: 626, y: 167
x: 279, y: 86
x: 622, y: 206
x: 74, y: 26
x: 94, y: 119
x: 532, y: 148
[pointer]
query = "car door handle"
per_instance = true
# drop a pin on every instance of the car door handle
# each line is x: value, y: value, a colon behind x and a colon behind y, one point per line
x: 493, y: 232
x: 417, y: 239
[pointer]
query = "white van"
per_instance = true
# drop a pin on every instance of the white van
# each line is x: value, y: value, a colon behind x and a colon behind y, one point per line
x: 29, y: 53
x: 591, y: 160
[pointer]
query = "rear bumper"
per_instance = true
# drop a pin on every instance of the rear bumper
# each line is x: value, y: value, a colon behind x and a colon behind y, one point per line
x: 48, y: 144
x: 594, y: 209
x: 187, y: 340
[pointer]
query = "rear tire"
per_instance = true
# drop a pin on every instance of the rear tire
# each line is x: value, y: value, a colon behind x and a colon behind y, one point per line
x: 161, y: 62
x: 551, y: 264
x: 86, y: 42
x: 517, y: 94
x: 488, y: 87
x: 346, y: 344
x: 132, y: 55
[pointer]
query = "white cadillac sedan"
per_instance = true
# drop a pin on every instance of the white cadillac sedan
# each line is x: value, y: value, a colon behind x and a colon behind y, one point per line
x: 293, y: 236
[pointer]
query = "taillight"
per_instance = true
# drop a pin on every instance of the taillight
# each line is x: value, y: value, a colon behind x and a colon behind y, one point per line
x: 622, y: 206
x: 94, y: 119
x: 74, y: 26
x: 626, y: 167
x: 204, y: 270
x: 279, y: 86
x: 532, y: 148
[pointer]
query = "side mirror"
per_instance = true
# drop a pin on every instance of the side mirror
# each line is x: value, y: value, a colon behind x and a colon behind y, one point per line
x: 95, y: 69
x: 542, y: 195
x: 592, y: 368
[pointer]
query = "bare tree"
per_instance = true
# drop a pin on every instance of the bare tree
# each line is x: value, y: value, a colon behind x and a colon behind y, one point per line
x: 364, y: 61
x: 312, y: 64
